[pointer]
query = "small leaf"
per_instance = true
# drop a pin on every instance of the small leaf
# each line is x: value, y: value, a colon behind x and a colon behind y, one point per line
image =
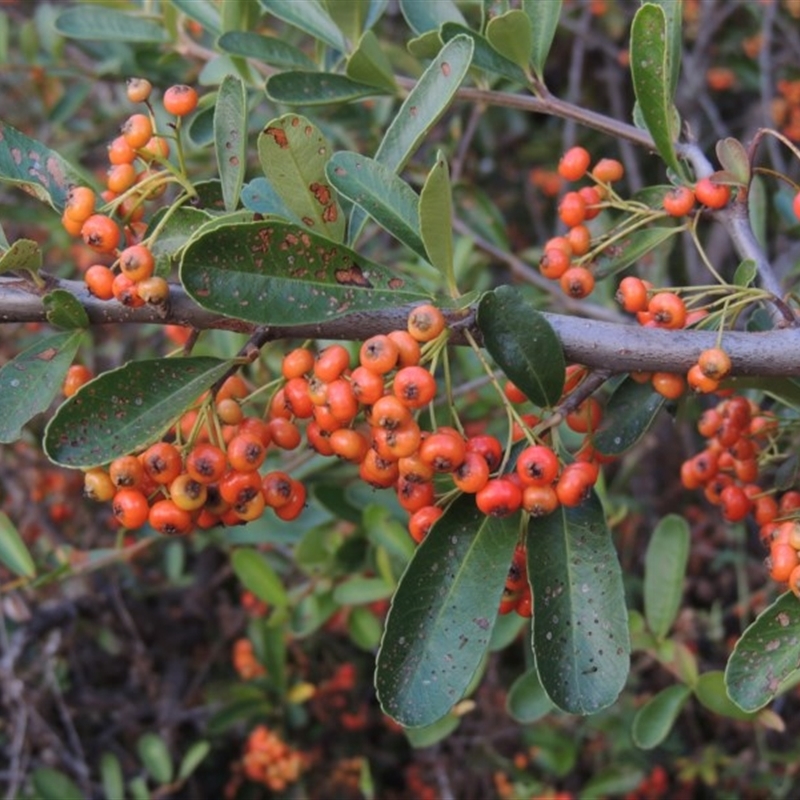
x: 230, y: 138
x: 386, y: 197
x: 710, y: 691
x: 651, y: 71
x: 293, y: 154
x: 441, y: 619
x: 176, y: 231
x: 13, y: 551
x: 758, y: 208
x: 625, y: 252
x: 192, y: 759
x: 202, y: 11
x: 275, y: 273
x: 523, y: 344
x: 436, y: 218
x: 111, y: 776
x: 50, y: 784
x: 654, y: 720
x: 30, y: 382
x: 734, y: 159
x: 580, y: 627
x: 358, y: 590
x: 527, y: 700
x: 64, y: 310
x: 310, y: 17
x: 485, y: 56
x: 316, y: 88
x: 24, y: 255
x: 767, y: 653
x: 429, y: 735
x: 746, y: 273
x: 94, y: 22
x: 628, y: 415
x: 364, y: 628
x: 664, y: 572
x: 256, y: 575
x: 122, y: 410
x: 266, y: 49
x: 424, y: 16
x: 138, y: 788
x: 511, y: 34
x: 544, y: 22
x: 154, y: 753
x: 369, y: 64
x: 35, y: 168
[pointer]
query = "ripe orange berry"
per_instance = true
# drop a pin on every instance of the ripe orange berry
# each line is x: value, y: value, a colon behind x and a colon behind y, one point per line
x: 608, y: 170
x: 500, y: 497
x: 711, y: 194
x: 169, y: 519
x: 125, y: 291
x: 554, y: 263
x: 245, y: 453
x: 349, y: 444
x: 667, y: 310
x: 285, y: 433
x: 180, y: 100
x: 489, y: 447
x: 120, y: 152
x: 100, y: 233
x: 389, y: 412
x: 699, y: 382
x: 206, y: 463
x: 668, y: 384
x: 715, y: 363
x: 153, y: 290
x: 297, y: 502
x: 126, y: 471
x: 577, y: 282
x: 421, y: 522
x: 396, y: 443
x: 592, y: 198
x: 414, y: 386
x: 367, y: 385
x: 98, y: 279
x: 443, y: 450
x: 76, y: 376
x: 156, y: 147
x: 80, y: 203
x: 539, y: 500
x: 137, y: 262
x: 239, y: 488
x: 679, y: 201
x: 162, y: 462
x: 276, y: 486
x: 574, y: 163
x: 137, y: 130
x: 130, y: 508
x: 331, y: 362
x: 297, y: 362
x: 537, y: 465
x: 580, y: 239
x: 426, y: 322
x: 632, y: 294
x: 120, y: 177
x: 408, y: 349
x: 379, y: 353
x: 413, y: 495
x: 138, y: 89
x: 97, y: 486
x: 472, y: 474
x: 572, y: 209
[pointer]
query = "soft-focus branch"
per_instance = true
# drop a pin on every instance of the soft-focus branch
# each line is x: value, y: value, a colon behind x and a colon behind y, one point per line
x: 616, y: 347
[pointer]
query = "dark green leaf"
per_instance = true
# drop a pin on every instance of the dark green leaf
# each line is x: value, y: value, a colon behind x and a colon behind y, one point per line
x: 24, y: 255
x: 125, y: 409
x: 527, y: 700
x: 154, y: 753
x: 506, y: 630
x: 580, y: 627
x: 230, y: 138
x: 616, y: 780
x: 310, y: 17
x: 202, y: 11
x: 386, y: 197
x: 256, y: 575
x: 511, y: 34
x: 177, y: 230
x: 111, y: 776
x: 745, y: 273
x: 293, y: 154
x: 651, y: 70
x: 767, y: 653
x: 442, y: 614
x: 316, y: 88
x: 627, y: 251
x: 201, y: 127
x: 654, y: 720
x: 423, y: 16
x: 281, y: 274
x: 673, y: 12
x: 710, y: 691
x: 734, y: 159
x: 436, y: 218
x: 358, y: 590
x: 37, y: 169
x: 30, y: 382
x: 93, y: 21
x: 629, y: 413
x: 544, y: 22
x: 420, y: 111
x: 664, y: 572
x: 50, y: 784
x: 267, y: 49
x: 13, y: 551
x: 485, y: 56
x: 369, y: 64
x: 64, y: 310
x: 523, y: 344
x: 259, y: 196
x: 192, y: 759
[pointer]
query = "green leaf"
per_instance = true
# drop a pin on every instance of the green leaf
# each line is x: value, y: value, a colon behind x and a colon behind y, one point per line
x: 441, y: 618
x: 629, y: 413
x: 202, y: 11
x: 35, y: 168
x: 349, y: 16
x: 154, y: 753
x: 50, y: 784
x: 758, y: 208
x: 309, y: 278
x: 94, y: 22
x: 316, y: 88
x: 138, y: 788
x: 485, y: 56
x: 627, y: 251
x: 358, y: 590
x: 258, y: 195
x: 654, y: 720
x: 24, y: 255
x: 423, y: 16
x: 293, y: 154
x: 364, y: 628
x: 673, y: 13
x: 13, y: 551
x: 429, y: 735
x: 544, y: 22
x: 527, y: 700
x: 436, y: 218
x: 651, y: 71
x: 734, y: 159
x: 580, y: 627
x: 746, y: 273
x: 182, y: 224
x: 369, y: 64
x: 30, y: 382
x: 420, y: 111
x: 64, y: 310
x: 230, y: 138
x: 710, y: 691
x: 511, y: 34
x: 256, y: 575
x: 664, y: 572
x: 767, y: 653
x: 310, y: 17
x: 523, y: 344
x: 192, y: 759
x: 127, y: 408
x: 266, y: 49
x: 111, y: 776
x: 386, y: 197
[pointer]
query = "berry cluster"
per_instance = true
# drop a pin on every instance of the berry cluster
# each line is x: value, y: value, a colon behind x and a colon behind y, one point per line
x: 270, y: 761
x: 517, y: 594
x: 244, y: 660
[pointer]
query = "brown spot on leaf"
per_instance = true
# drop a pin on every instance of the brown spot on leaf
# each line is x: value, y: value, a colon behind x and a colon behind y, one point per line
x: 413, y: 111
x: 445, y: 69
x: 354, y: 276
x: 396, y: 283
x: 279, y: 136
x: 321, y: 192
x: 295, y: 122
x: 331, y: 213
x: 48, y: 355
x: 308, y: 221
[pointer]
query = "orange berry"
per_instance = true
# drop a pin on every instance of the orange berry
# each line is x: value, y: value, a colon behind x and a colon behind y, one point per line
x: 138, y: 89
x: 100, y: 233
x: 573, y: 164
x: 667, y: 310
x: 715, y: 363
x: 608, y: 170
x: 137, y: 262
x: 379, y: 353
x: 679, y: 201
x: 80, y: 203
x: 331, y: 362
x: 162, y: 462
x: 711, y: 194
x: 130, y: 508
x: 125, y: 291
x: 99, y: 279
x: 422, y: 520
x: 577, y: 282
x: 572, y: 209
x: 169, y: 519
x: 632, y: 294
x: 426, y: 322
x: 180, y: 100
x: 76, y: 376
x: 120, y: 178
x: 297, y: 363
x: 500, y: 497
x: 668, y: 384
x: 408, y: 349
x: 137, y: 130
x: 414, y: 386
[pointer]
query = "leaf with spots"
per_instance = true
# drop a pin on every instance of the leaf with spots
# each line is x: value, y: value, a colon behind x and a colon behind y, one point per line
x: 293, y: 154
x: 436, y: 219
x: 125, y: 409
x: 92, y: 21
x: 35, y: 168
x: 580, y: 626
x: 297, y: 87
x: 24, y: 255
x: 30, y: 382
x: 441, y: 618
x: 267, y: 49
x: 64, y: 310
x: 767, y: 653
x: 230, y: 138
x: 275, y: 273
